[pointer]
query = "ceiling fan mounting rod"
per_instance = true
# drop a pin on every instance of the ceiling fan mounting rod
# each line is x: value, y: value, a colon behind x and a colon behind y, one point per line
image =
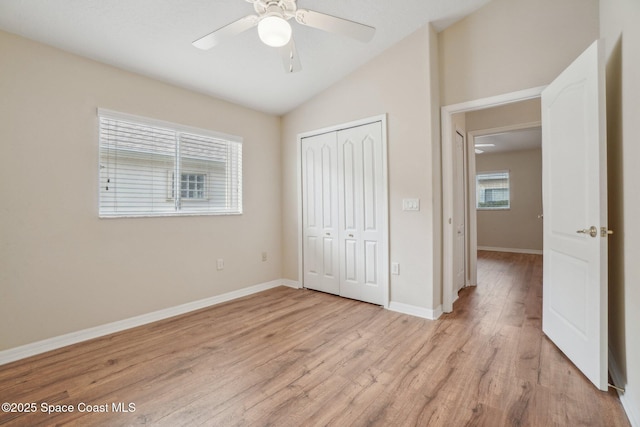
x: 273, y: 9
x: 283, y: 8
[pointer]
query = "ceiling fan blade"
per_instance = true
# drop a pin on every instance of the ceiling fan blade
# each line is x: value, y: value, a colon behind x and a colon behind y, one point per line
x: 226, y: 32
x: 332, y: 24
x: 290, y: 58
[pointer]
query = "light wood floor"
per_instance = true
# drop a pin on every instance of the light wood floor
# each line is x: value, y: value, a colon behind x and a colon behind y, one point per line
x: 300, y: 358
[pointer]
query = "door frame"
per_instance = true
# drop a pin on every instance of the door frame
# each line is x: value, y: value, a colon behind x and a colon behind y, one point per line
x: 447, y: 140
x: 384, y: 245
x: 465, y: 202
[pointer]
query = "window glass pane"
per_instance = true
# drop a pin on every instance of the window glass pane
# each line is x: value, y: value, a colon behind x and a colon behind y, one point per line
x: 493, y: 190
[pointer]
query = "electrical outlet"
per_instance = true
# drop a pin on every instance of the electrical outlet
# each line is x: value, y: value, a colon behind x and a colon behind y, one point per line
x: 264, y: 256
x: 220, y: 264
x: 395, y: 268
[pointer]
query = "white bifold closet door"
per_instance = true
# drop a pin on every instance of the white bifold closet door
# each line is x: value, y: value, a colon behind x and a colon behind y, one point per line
x: 320, y: 213
x: 343, y: 193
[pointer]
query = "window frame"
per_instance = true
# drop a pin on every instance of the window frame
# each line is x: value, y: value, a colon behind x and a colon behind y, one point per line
x: 509, y: 191
x: 234, y: 177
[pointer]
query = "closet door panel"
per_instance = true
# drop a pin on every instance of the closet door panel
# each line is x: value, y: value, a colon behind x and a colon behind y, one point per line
x: 371, y: 263
x: 347, y: 185
x: 320, y: 213
x: 329, y: 265
x: 349, y: 262
x: 361, y: 188
x: 370, y: 183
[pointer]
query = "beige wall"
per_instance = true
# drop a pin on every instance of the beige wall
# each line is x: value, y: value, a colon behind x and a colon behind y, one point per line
x: 61, y: 268
x: 514, y: 114
x: 398, y: 83
x: 621, y: 33
x: 510, y: 45
x: 519, y: 226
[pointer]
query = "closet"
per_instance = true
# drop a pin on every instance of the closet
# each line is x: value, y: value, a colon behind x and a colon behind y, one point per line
x: 344, y: 212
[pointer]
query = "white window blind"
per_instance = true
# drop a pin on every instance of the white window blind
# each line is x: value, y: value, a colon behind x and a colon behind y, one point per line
x: 143, y: 162
x: 493, y: 190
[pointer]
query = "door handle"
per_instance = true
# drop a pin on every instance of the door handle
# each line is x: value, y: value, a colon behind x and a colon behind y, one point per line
x: 591, y: 231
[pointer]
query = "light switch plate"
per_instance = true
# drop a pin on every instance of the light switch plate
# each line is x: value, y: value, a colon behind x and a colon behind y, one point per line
x: 410, y: 204
x: 395, y: 268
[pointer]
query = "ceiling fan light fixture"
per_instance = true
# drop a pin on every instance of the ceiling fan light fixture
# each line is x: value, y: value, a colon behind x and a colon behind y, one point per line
x: 274, y: 31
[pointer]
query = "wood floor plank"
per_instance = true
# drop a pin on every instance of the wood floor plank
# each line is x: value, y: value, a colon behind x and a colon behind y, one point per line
x: 288, y: 357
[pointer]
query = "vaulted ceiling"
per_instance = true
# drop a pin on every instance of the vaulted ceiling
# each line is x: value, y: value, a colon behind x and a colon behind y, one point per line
x: 153, y: 38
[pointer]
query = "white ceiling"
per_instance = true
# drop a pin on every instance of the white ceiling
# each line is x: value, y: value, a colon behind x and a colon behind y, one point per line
x: 153, y: 37
x: 517, y: 140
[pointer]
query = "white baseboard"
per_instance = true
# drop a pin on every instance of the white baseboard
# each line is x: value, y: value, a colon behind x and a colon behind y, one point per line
x: 291, y: 283
x: 511, y: 250
x: 413, y: 310
x: 17, y: 353
x: 626, y: 398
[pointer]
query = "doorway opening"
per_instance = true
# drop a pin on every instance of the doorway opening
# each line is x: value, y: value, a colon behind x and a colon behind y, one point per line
x: 505, y: 210
x: 452, y: 193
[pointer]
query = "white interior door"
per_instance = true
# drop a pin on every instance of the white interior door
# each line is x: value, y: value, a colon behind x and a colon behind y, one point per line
x: 344, y: 212
x: 361, y: 194
x: 575, y: 214
x: 459, y: 225
x: 320, y: 213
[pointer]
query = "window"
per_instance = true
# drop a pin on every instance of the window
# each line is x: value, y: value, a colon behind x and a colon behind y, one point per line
x: 492, y: 190
x: 192, y: 186
x: 143, y: 161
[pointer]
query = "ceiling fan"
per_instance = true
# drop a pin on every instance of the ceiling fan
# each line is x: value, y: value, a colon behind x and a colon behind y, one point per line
x: 274, y: 29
